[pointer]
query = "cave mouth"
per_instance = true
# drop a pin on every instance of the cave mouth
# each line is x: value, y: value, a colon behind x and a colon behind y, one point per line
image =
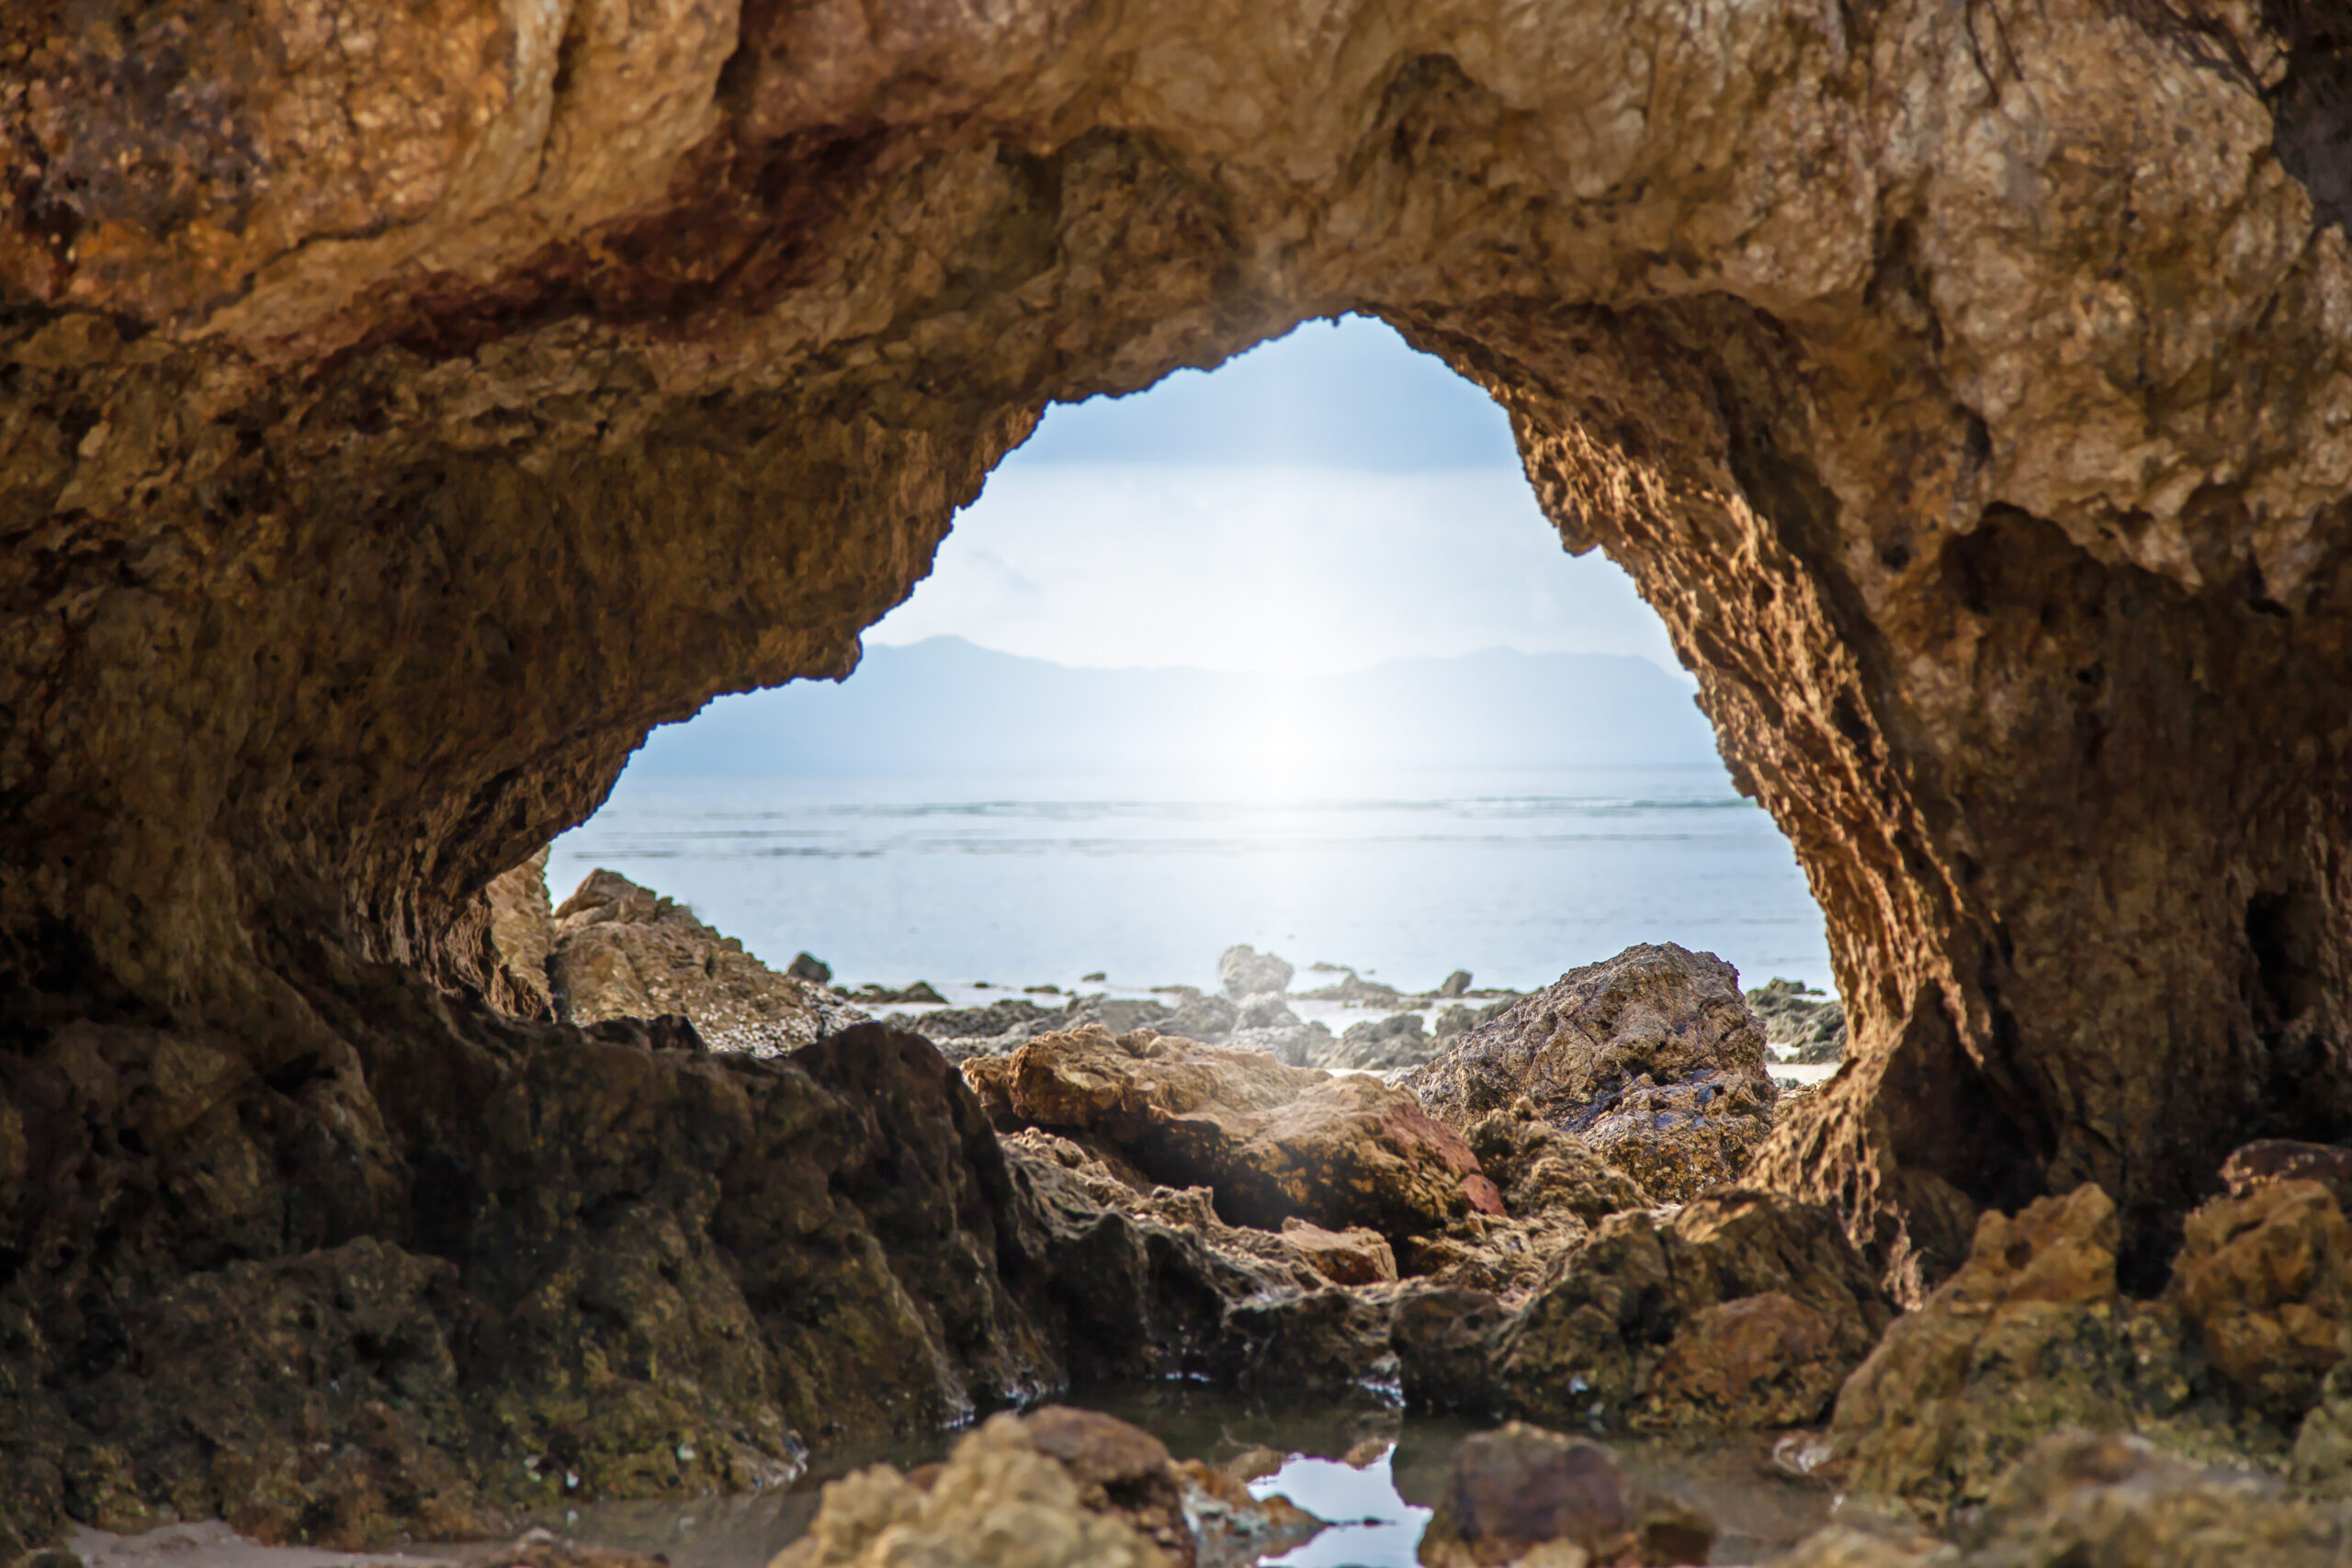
x: 1252, y: 655
x: 376, y: 480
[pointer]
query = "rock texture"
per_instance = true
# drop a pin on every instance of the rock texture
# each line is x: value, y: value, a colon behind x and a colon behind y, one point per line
x: 1056, y: 1488
x: 1272, y: 1142
x: 1653, y: 1057
x: 1520, y: 1491
x: 399, y: 423
x: 622, y: 951
x: 1799, y: 1023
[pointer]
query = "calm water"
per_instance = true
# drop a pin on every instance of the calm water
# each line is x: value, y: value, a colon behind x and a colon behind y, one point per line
x: 1370, y: 1468
x: 1407, y: 876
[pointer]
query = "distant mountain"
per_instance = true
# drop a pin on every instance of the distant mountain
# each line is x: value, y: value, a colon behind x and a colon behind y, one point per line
x: 944, y: 705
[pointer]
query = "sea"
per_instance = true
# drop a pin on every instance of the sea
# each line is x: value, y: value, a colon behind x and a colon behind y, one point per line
x: 975, y: 883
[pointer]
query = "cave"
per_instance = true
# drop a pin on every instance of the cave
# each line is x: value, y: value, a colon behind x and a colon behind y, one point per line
x: 395, y: 434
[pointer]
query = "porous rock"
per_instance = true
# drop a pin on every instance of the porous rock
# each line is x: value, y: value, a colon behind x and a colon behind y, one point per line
x: 1055, y: 1488
x: 1741, y: 1309
x: 1652, y: 1056
x: 2030, y: 1335
x: 623, y: 950
x: 1271, y: 1140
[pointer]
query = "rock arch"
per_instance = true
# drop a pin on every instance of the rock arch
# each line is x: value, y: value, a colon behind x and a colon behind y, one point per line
x: 402, y: 418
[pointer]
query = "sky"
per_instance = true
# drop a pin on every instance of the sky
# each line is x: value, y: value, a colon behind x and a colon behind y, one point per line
x: 1325, y: 502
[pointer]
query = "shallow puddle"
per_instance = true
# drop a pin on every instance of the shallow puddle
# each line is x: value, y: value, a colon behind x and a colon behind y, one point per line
x: 1371, y: 1471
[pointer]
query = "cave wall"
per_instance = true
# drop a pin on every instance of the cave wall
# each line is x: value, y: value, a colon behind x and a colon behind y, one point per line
x: 401, y: 414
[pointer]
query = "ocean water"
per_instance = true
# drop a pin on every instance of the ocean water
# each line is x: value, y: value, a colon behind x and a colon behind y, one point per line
x: 1405, y: 876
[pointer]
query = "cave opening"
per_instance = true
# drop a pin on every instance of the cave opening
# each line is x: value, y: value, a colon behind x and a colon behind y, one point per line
x: 1282, y: 653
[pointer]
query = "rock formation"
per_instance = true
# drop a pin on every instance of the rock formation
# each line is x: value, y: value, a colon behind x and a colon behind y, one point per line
x: 1652, y: 1056
x: 1799, y: 1023
x: 622, y: 951
x: 398, y: 423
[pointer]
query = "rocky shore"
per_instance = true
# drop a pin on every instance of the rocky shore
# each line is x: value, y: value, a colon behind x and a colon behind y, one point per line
x: 1545, y: 1220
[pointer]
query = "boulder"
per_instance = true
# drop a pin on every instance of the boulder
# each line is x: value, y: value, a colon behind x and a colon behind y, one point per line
x: 1206, y: 1019
x: 1455, y: 984
x: 2030, y: 1335
x: 808, y: 967
x: 1554, y: 1190
x: 2263, y: 1280
x: 622, y: 951
x: 1379, y: 1046
x: 1454, y: 1020
x: 1742, y: 1309
x: 1271, y: 1140
x: 1243, y: 970
x: 1359, y: 1257
x: 1055, y: 1488
x: 1522, y: 1494
x: 1296, y: 1045
x: 1653, y: 1056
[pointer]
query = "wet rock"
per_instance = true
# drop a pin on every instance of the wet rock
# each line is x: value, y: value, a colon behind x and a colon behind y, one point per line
x: 1055, y: 1488
x: 1243, y: 970
x: 2264, y: 1279
x: 1652, y: 1056
x: 1271, y: 1140
x: 1333, y: 1342
x: 1522, y: 1494
x: 544, y: 1548
x: 1738, y: 1310
x: 2030, y: 1335
x: 622, y: 951
x: 1804, y: 1025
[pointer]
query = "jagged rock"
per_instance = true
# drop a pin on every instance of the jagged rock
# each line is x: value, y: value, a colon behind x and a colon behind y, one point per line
x: 808, y: 967
x: 2263, y: 1278
x: 1055, y: 1488
x: 1271, y: 1140
x: 1245, y: 972
x: 1553, y: 1188
x: 1452, y: 1021
x: 1359, y: 1257
x: 2028, y: 1336
x: 1741, y: 1309
x: 1455, y: 984
x: 1652, y: 1056
x: 2283, y: 1159
x: 622, y: 951
x: 522, y: 932
x: 1206, y: 1019
x: 1521, y: 1495
x: 999, y: 1027
x: 1390, y: 1042
x: 1800, y: 1027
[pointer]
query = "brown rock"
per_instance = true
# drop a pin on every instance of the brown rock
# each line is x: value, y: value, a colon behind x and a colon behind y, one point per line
x: 1357, y: 1256
x: 1653, y: 1057
x: 522, y: 930
x: 1521, y: 1495
x: 1272, y: 1142
x: 1052, y: 1488
x: 2264, y: 1280
x: 394, y: 433
x: 2283, y: 1159
x: 2030, y: 1336
x: 1739, y: 1310
x: 622, y: 951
